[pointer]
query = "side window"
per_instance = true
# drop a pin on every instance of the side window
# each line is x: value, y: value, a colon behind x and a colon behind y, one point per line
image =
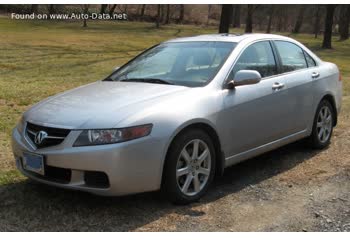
x: 292, y: 56
x: 310, y: 61
x: 259, y: 57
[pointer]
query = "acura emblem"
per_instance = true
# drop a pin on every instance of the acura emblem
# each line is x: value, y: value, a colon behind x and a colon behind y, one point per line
x: 40, y: 137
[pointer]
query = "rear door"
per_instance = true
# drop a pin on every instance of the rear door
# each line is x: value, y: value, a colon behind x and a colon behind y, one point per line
x: 299, y: 70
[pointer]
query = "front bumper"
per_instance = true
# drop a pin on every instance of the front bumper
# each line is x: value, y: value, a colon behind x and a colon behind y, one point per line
x: 131, y: 167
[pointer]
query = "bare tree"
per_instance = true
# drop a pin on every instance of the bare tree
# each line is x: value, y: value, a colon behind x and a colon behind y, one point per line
x: 158, y: 15
x: 111, y: 10
x: 34, y: 8
x: 317, y: 20
x: 299, y: 20
x: 167, y: 17
x: 225, y: 19
x: 85, y: 11
x: 269, y: 23
x: 237, y: 17
x: 282, y: 14
x: 209, y: 12
x: 327, y: 37
x: 279, y: 20
x: 103, y: 8
x: 182, y: 13
x: 162, y: 13
x: 143, y: 10
x: 249, y: 19
x: 51, y: 10
x: 344, y: 21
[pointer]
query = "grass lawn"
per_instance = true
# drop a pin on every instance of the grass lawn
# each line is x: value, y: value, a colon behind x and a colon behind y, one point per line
x: 42, y: 58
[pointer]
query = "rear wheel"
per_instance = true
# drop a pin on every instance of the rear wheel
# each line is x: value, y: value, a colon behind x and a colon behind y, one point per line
x: 322, y: 126
x: 189, y: 167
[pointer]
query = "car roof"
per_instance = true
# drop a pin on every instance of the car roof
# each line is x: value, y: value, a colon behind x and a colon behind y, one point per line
x: 229, y: 37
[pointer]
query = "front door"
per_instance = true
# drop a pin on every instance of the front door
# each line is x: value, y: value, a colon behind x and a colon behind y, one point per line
x: 256, y: 114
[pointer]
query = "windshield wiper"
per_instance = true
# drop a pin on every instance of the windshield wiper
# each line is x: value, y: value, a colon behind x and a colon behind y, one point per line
x: 147, y: 80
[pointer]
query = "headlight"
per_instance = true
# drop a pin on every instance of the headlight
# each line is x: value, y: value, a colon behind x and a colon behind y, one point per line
x: 20, y: 125
x: 109, y: 136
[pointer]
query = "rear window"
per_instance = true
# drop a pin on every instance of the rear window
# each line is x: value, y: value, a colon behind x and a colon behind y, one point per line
x: 292, y: 56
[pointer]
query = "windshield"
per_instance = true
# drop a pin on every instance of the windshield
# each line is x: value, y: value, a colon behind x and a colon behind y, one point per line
x: 191, y: 64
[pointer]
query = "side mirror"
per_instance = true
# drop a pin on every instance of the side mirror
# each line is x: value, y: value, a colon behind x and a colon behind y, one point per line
x: 244, y: 77
x: 116, y: 68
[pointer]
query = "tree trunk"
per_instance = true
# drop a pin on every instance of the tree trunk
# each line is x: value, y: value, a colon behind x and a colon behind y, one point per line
x: 162, y: 13
x: 209, y: 12
x: 125, y: 8
x: 111, y: 10
x: 299, y: 20
x: 182, y: 13
x: 344, y: 21
x: 317, y: 21
x: 143, y: 9
x: 271, y: 12
x: 51, y: 10
x: 167, y: 17
x: 327, y: 38
x: 85, y: 10
x: 279, y: 14
x: 249, y: 19
x: 158, y: 16
x: 34, y: 8
x: 103, y: 8
x: 237, y: 17
x: 226, y: 16
x: 286, y: 23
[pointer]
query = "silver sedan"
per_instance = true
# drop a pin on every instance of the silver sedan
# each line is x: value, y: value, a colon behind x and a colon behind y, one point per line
x: 178, y: 114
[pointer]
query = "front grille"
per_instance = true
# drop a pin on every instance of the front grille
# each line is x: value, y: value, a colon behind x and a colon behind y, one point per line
x: 53, y: 136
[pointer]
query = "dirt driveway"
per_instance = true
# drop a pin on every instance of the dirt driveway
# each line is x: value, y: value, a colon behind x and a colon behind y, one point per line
x: 290, y: 189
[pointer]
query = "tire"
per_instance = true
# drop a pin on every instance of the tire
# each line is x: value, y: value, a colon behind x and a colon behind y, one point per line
x: 317, y: 139
x: 188, y: 176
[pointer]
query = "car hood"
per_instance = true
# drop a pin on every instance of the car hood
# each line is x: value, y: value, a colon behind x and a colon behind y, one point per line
x: 98, y: 105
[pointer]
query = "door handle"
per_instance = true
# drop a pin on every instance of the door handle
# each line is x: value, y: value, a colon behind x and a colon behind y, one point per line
x: 315, y: 75
x: 277, y: 86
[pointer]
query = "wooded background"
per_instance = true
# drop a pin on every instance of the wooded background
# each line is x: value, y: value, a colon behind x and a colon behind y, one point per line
x: 325, y: 20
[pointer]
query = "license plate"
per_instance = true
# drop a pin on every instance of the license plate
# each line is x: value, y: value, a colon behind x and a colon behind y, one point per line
x: 34, y: 163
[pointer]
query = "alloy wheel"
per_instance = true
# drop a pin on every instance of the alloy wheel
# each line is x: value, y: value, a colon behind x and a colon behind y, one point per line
x: 324, y: 124
x: 193, y: 167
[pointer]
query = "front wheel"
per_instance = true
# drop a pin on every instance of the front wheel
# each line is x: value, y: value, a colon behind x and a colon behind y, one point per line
x: 189, y: 167
x: 323, y: 126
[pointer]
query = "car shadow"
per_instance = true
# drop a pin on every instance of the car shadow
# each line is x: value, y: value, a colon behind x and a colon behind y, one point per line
x: 29, y: 206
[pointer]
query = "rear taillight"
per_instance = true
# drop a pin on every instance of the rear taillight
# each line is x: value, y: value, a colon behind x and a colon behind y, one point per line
x: 339, y: 77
